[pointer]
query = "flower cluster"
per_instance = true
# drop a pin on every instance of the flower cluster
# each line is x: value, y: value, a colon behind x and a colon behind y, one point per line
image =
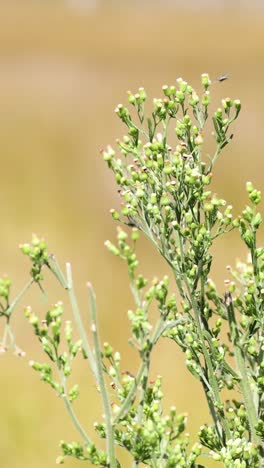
x: 90, y: 453
x: 165, y: 192
x: 37, y: 252
x: 151, y: 437
x: 238, y: 453
x: 49, y: 333
x: 143, y: 337
x: 164, y: 188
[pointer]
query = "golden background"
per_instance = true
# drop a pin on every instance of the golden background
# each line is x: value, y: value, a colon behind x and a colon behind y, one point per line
x: 62, y: 72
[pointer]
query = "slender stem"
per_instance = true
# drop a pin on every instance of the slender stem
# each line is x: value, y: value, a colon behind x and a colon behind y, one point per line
x: 4, y: 338
x: 143, y: 369
x: 156, y: 335
x: 180, y: 286
x: 56, y: 270
x: 244, y: 382
x: 110, y: 441
x: 212, y: 379
x: 159, y: 329
x: 73, y: 416
x: 19, y: 297
x: 8, y: 312
x: 143, y: 388
x: 217, y: 152
x: 247, y: 394
x: 11, y: 335
x: 214, y: 385
x: 77, y: 316
x: 130, y: 396
x: 163, y: 326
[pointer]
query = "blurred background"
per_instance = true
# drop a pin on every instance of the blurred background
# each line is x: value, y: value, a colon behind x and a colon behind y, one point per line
x: 64, y: 66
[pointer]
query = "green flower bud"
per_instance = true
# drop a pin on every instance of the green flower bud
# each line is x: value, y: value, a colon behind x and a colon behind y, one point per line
x: 141, y: 282
x: 237, y: 105
x: 180, y: 97
x: 206, y: 99
x: 219, y: 114
x: 164, y: 200
x: 182, y: 84
x: 248, y: 238
x: 206, y: 82
x: 256, y: 221
x: 117, y: 357
x: 140, y: 192
x: 206, y: 179
x: 33, y: 319
x: 115, y: 214
x: 166, y: 91
x: 67, y: 370
x: 56, y: 310
x: 108, y: 350
x: 74, y: 393
x: 169, y: 91
x: 27, y: 311
x: 131, y: 98
x: 255, y: 197
x: 236, y: 222
x: 208, y: 207
x: 112, y: 248
x: 25, y: 248
x: 134, y: 234
x: 122, y: 112
x: 189, y: 89
x: 227, y: 103
x: 249, y: 187
x: 68, y: 330
x: 248, y: 214
x: 216, y: 456
x: 194, y: 99
x: 142, y: 93
x: 189, y: 338
x: 36, y: 365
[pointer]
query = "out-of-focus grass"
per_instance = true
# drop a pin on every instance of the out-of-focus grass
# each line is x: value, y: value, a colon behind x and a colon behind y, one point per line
x: 61, y: 75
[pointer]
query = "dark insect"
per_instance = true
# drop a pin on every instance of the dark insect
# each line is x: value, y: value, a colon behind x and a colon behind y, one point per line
x: 222, y: 77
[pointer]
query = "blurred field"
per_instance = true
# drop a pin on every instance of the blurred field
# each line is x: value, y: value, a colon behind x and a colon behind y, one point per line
x: 61, y: 75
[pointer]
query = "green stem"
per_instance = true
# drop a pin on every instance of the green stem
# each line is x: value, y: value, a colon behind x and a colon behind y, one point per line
x: 176, y: 277
x: 163, y: 326
x: 143, y: 387
x: 125, y: 407
x: 8, y: 312
x: 11, y: 336
x: 212, y: 379
x: 19, y: 296
x: 244, y: 382
x: 56, y: 270
x: 73, y: 416
x: 110, y: 441
x: 217, y: 152
x: 4, y: 338
x: 143, y: 370
x: 180, y: 286
x: 159, y: 329
x: 77, y: 316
